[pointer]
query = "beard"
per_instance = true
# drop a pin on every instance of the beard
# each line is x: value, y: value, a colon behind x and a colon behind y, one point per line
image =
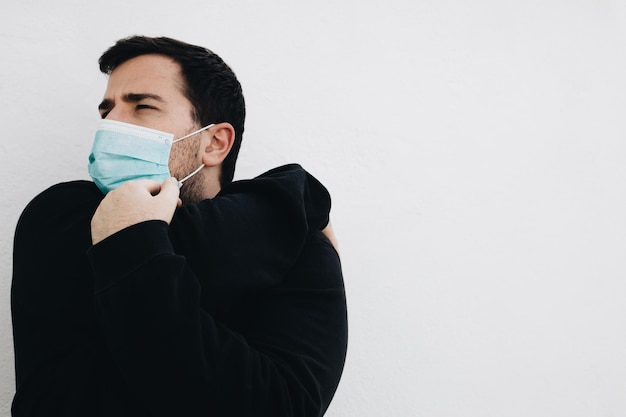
x: 185, y: 160
x: 193, y: 191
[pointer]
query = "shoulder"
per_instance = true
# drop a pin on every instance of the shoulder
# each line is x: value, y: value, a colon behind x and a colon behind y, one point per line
x: 290, y: 176
x: 287, y: 186
x: 67, y: 190
x: 63, y: 201
x: 53, y: 234
x: 281, y: 176
x: 297, y: 176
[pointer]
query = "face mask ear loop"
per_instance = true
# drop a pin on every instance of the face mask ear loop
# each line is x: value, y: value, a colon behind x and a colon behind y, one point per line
x: 194, y: 133
x: 180, y: 183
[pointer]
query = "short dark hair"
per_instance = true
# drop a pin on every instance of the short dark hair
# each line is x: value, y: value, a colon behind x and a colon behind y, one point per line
x: 211, y: 85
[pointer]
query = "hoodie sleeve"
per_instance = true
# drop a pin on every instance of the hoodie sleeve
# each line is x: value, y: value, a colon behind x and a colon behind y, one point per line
x: 254, y: 229
x: 277, y: 351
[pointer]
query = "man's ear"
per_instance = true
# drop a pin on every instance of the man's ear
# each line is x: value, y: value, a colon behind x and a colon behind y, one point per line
x: 219, y: 142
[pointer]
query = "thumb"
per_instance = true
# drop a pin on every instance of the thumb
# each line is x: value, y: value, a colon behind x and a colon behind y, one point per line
x: 167, y: 200
x: 169, y: 189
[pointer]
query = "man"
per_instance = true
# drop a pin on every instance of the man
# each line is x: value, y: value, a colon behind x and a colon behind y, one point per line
x: 226, y: 299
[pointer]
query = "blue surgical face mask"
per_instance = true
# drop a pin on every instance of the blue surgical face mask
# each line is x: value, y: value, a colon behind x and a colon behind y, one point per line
x: 122, y: 152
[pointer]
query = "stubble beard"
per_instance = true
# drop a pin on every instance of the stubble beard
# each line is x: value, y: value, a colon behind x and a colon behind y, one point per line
x: 192, y: 190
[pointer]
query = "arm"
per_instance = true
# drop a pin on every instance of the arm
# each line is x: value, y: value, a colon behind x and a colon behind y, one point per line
x: 54, y: 327
x: 269, y: 217
x: 153, y: 308
x: 58, y: 349
x: 242, y: 220
x: 279, y: 353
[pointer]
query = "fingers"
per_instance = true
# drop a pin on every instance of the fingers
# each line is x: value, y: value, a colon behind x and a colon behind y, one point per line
x: 169, y: 187
x: 167, y: 200
x: 171, y: 184
x: 134, y: 202
x: 151, y: 186
x: 170, y: 190
x: 330, y: 234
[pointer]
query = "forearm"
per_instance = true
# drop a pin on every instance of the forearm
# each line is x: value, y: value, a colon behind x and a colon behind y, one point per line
x: 174, y: 352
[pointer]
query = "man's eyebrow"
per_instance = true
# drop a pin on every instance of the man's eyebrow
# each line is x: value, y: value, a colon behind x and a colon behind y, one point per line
x: 135, y: 97
x: 107, y: 104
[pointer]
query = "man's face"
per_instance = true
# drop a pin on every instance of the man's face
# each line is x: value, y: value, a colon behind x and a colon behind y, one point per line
x: 147, y: 91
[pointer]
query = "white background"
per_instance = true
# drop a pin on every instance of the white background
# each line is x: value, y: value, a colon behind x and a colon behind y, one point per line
x: 474, y: 149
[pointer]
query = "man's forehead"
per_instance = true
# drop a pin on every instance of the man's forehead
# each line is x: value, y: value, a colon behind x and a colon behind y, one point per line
x: 150, y: 61
x: 146, y: 74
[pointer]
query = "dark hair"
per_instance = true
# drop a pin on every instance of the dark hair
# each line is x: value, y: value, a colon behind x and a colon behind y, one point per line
x: 211, y: 85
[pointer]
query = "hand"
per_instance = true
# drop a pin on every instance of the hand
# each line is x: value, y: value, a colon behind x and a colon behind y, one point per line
x: 330, y: 234
x: 134, y: 202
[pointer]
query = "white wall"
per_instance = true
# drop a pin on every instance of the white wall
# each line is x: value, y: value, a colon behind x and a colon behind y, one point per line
x: 475, y: 151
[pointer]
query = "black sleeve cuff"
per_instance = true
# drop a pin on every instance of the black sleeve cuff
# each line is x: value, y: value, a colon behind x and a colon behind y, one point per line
x: 126, y: 251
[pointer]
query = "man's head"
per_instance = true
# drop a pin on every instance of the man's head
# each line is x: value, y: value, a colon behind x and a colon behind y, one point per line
x: 176, y: 87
